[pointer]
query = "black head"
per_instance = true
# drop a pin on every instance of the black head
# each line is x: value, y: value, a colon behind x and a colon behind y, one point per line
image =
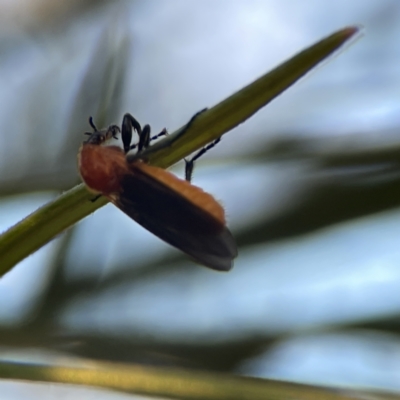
x: 100, y: 136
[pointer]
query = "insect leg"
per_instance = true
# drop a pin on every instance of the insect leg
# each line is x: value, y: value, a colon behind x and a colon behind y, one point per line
x: 189, y: 164
x: 162, y: 133
x: 128, y: 123
x: 144, y: 139
x: 95, y: 198
x: 190, y: 123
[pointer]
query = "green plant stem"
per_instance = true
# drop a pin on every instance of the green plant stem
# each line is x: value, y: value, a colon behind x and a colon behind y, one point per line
x: 177, y: 384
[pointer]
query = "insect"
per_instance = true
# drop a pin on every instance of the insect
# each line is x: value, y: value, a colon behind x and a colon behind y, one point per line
x: 173, y: 209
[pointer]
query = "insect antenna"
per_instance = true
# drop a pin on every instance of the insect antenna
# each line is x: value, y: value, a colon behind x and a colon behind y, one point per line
x: 91, y: 123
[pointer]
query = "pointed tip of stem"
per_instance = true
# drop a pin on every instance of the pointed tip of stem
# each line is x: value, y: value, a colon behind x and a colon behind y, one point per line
x: 350, y: 31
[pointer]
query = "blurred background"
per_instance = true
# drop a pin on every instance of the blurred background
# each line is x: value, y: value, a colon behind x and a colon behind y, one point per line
x: 310, y: 184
